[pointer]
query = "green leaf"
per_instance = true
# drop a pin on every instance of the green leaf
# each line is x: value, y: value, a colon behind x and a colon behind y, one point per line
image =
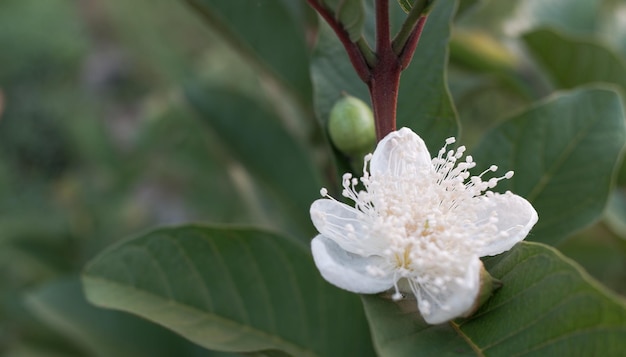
x: 255, y: 138
x: 230, y: 289
x: 548, y: 306
x: 572, y: 62
x: 62, y: 306
x: 268, y: 34
x: 424, y: 102
x: 406, y: 5
x: 177, y: 150
x: 397, y: 333
x: 564, y: 151
x: 350, y: 14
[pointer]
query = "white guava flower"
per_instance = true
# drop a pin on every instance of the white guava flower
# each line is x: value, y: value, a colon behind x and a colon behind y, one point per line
x: 419, y: 226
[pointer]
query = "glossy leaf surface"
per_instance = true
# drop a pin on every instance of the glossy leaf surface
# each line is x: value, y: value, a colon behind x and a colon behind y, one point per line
x: 564, y: 152
x: 240, y: 290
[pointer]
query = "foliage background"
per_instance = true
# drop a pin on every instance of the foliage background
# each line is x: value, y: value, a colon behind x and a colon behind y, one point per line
x: 121, y: 116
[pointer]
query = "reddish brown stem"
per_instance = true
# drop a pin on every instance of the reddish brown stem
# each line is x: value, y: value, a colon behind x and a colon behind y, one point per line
x: 385, y: 77
x: 384, y: 93
x: 409, y: 49
x: 382, y: 78
x: 383, y: 38
x: 354, y: 53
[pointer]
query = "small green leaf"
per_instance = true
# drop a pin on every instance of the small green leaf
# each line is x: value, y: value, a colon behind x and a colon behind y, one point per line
x: 397, y: 333
x: 572, y: 62
x: 564, y: 152
x: 239, y: 290
x: 548, y: 306
x: 406, y: 5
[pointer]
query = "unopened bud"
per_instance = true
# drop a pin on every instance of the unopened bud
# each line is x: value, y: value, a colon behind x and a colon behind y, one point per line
x: 351, y: 127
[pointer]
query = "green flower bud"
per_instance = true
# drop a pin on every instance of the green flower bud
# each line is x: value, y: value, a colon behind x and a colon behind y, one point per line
x: 351, y: 127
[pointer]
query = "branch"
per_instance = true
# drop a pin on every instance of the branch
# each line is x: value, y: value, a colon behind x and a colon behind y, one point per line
x: 357, y: 57
x: 406, y: 39
x: 383, y: 38
x: 406, y: 54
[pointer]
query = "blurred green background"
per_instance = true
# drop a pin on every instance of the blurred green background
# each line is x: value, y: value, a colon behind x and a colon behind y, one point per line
x: 97, y: 143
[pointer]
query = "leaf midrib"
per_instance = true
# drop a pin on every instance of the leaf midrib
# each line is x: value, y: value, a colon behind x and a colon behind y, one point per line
x: 565, y: 154
x: 278, y: 342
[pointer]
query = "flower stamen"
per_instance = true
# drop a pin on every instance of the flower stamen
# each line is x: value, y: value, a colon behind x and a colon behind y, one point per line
x: 422, y: 220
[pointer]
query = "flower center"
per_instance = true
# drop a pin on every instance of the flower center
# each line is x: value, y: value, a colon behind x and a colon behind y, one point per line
x: 404, y: 260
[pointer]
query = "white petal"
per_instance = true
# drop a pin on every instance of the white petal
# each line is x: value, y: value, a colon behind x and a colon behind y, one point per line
x: 346, y: 270
x: 515, y: 215
x: 345, y: 226
x: 399, y: 153
x: 456, y: 300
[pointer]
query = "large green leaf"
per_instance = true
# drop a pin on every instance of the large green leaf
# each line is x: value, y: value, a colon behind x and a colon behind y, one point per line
x: 424, y: 102
x: 548, y: 306
x: 62, y: 306
x: 268, y: 34
x: 230, y: 289
x: 255, y: 137
x: 397, y: 333
x: 564, y: 151
x: 571, y: 62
